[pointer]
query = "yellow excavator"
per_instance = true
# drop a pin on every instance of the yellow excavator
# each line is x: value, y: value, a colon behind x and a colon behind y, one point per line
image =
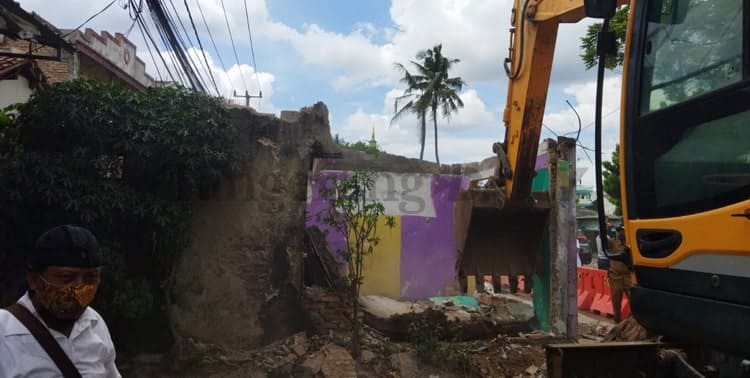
x: 684, y: 165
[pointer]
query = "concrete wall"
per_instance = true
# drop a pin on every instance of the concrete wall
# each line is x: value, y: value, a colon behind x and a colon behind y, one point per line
x: 238, y: 284
x: 14, y: 91
x: 416, y: 258
x: 119, y: 51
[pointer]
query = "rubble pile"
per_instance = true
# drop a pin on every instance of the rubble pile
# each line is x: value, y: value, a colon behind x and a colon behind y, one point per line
x: 511, y: 357
x: 629, y: 330
x: 443, y: 337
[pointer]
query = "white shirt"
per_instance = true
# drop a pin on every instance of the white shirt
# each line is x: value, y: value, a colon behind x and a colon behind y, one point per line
x: 599, y: 250
x: 89, y: 347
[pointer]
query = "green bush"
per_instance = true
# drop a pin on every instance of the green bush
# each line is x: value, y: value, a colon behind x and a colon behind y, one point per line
x: 128, y: 165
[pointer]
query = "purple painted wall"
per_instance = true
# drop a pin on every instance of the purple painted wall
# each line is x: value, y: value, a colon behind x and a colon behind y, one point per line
x: 428, y: 245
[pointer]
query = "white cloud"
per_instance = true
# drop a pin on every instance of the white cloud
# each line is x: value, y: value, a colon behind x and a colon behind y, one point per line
x: 237, y: 78
x: 475, y: 31
x: 564, y: 122
x: 584, y: 96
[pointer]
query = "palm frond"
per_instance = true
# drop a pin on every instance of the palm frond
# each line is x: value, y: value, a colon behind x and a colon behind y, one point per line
x: 399, y: 113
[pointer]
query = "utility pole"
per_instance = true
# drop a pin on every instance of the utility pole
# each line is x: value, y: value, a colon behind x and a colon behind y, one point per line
x: 247, y: 97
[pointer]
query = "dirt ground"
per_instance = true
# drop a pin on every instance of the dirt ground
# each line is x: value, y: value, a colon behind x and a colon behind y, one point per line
x: 312, y: 356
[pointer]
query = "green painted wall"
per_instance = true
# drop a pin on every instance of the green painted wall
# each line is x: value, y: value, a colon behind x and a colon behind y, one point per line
x: 541, y: 279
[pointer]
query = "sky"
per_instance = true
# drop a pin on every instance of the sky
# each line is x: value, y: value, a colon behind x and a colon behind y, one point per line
x: 343, y: 53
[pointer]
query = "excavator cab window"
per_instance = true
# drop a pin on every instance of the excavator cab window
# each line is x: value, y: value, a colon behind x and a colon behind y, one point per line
x: 668, y: 11
x: 701, y: 54
x: 689, y: 129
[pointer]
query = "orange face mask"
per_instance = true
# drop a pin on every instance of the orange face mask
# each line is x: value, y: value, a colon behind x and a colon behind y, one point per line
x: 65, y: 302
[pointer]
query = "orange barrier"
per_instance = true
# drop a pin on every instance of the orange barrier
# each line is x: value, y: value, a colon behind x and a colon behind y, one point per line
x: 625, y: 306
x: 585, y: 286
x: 603, y: 298
x: 595, y: 293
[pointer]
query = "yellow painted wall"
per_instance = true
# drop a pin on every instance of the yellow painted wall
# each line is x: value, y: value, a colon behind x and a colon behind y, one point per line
x: 382, y: 269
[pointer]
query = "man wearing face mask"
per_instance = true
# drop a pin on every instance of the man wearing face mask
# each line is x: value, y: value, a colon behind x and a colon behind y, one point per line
x: 51, y: 331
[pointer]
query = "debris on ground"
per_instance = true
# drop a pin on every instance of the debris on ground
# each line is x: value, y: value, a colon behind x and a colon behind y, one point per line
x: 441, y: 337
x: 628, y: 330
x: 461, y: 318
x: 384, y: 307
x: 504, y: 358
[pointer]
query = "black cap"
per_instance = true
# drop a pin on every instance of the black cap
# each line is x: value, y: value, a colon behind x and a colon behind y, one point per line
x: 66, y: 245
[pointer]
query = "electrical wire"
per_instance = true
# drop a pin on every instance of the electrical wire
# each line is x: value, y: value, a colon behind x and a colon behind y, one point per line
x: 550, y: 130
x: 181, y: 42
x: 179, y: 19
x: 170, y: 49
x: 130, y: 29
x: 604, y: 116
x: 211, y: 37
x: 144, y: 29
x: 579, y: 119
x: 234, y: 48
x: 586, y: 152
x: 165, y: 26
x: 203, y: 52
x: 90, y: 18
x: 579, y: 144
x: 252, y: 49
x: 143, y: 34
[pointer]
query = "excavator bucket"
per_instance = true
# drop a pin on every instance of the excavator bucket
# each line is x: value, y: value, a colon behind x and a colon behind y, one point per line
x: 497, y: 238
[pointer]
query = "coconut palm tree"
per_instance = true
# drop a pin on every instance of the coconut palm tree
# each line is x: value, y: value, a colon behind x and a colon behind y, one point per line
x: 416, y: 102
x: 441, y: 90
x: 430, y: 90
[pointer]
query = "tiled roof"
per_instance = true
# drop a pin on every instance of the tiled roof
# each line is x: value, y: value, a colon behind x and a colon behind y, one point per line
x: 11, y: 64
x: 28, y: 68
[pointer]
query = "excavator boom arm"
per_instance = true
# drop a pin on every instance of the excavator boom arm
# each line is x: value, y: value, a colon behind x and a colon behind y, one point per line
x: 529, y: 65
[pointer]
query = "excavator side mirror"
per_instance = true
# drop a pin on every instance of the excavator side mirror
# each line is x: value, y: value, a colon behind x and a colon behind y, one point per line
x: 600, y: 8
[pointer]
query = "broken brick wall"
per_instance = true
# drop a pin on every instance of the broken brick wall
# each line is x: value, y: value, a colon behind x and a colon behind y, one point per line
x: 329, y: 310
x: 238, y: 283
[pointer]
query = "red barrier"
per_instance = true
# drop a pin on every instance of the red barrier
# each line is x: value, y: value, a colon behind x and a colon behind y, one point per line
x: 625, y: 306
x: 585, y: 287
x: 603, y: 299
x: 595, y: 293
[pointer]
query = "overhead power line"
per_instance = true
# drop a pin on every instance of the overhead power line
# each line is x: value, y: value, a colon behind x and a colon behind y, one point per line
x: 170, y: 49
x: 136, y: 13
x: 184, y: 46
x: 252, y: 48
x: 148, y: 47
x: 203, y: 52
x: 211, y: 37
x: 165, y: 27
x: 90, y: 18
x: 234, y: 48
